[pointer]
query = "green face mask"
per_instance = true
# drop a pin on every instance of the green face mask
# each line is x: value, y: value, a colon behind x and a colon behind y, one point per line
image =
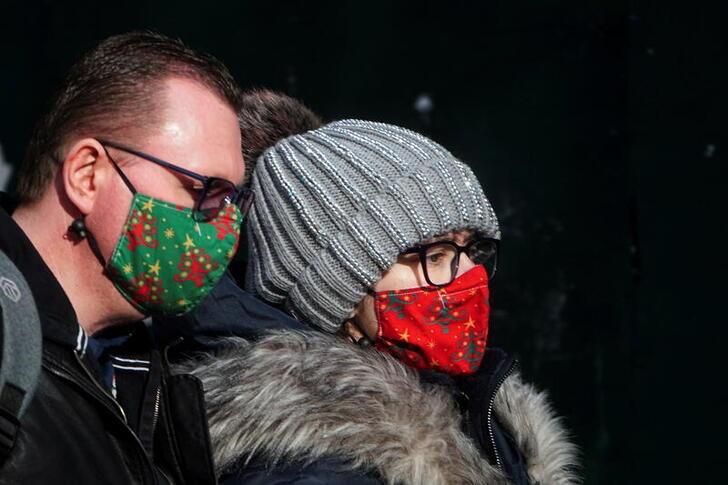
x: 166, y: 262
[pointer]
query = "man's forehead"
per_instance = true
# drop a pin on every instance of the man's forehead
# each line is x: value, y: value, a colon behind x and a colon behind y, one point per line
x: 198, y: 131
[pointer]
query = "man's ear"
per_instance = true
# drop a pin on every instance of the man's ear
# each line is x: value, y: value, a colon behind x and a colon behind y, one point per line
x: 82, y: 175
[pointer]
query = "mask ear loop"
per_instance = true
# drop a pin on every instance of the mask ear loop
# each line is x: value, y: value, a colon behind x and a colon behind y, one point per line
x: 78, y: 226
x: 364, y: 341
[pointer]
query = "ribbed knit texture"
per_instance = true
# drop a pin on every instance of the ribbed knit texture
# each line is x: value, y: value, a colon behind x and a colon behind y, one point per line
x: 335, y: 206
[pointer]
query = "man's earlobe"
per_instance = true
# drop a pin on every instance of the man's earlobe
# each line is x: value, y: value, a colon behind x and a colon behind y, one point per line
x: 81, y: 175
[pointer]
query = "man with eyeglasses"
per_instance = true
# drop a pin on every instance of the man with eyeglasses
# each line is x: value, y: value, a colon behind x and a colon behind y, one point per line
x: 128, y: 205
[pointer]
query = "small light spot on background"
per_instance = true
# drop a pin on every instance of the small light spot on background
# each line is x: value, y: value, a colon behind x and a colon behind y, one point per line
x: 424, y: 104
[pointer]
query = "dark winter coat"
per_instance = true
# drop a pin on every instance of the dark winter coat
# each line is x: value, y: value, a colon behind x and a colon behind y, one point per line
x: 228, y: 311
x: 74, y: 431
x: 311, y: 408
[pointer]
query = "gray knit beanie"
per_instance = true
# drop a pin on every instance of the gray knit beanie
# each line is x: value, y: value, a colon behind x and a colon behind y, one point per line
x: 335, y: 206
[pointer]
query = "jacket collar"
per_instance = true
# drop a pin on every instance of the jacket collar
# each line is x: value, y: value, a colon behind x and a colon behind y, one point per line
x: 296, y: 381
x: 319, y: 393
x: 58, y: 318
x: 476, y: 390
x: 483, y: 385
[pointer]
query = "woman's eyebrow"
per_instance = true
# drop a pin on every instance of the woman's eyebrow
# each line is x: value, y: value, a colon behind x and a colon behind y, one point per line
x: 444, y: 237
x: 450, y: 236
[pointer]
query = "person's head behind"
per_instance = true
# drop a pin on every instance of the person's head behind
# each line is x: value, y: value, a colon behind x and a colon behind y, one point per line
x: 268, y: 116
x: 115, y: 91
x: 338, y: 208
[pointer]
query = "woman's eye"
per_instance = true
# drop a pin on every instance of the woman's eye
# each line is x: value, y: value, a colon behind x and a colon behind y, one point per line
x: 433, y: 258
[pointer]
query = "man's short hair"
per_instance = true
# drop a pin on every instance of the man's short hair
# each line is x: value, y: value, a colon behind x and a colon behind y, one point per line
x: 113, y: 92
x: 268, y: 116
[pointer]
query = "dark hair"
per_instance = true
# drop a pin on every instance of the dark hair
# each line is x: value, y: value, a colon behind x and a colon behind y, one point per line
x: 266, y: 117
x: 113, y: 92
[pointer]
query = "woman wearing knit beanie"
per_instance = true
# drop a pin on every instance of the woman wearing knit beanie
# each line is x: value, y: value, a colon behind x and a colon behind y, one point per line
x: 384, y: 244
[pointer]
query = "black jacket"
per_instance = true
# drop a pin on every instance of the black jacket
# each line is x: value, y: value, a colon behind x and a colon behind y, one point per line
x: 74, y: 431
x: 475, y: 396
x: 229, y: 311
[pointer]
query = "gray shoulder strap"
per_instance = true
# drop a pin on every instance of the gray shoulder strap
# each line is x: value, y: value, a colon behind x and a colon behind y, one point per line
x: 21, y: 345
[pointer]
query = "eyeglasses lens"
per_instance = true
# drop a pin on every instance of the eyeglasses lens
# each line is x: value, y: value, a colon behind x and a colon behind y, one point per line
x: 485, y: 252
x: 215, y: 195
x: 440, y: 263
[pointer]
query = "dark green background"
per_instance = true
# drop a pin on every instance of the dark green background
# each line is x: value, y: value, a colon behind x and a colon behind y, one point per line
x: 598, y: 130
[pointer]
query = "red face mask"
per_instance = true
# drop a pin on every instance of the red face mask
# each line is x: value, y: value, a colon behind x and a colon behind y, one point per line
x: 437, y: 328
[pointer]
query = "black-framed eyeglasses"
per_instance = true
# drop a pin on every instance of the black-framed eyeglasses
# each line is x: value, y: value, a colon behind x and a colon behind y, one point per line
x: 212, y: 197
x: 440, y: 260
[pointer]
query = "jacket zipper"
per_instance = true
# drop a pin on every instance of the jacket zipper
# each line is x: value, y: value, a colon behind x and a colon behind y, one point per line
x: 117, y: 406
x: 103, y: 391
x: 123, y: 414
x: 156, y: 408
x: 505, y: 376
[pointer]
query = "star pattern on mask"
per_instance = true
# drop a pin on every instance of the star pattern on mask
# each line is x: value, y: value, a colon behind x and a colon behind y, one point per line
x: 148, y: 206
x: 470, y: 323
x: 405, y: 335
x: 189, y: 243
x: 169, y: 233
x: 127, y: 268
x: 154, y: 268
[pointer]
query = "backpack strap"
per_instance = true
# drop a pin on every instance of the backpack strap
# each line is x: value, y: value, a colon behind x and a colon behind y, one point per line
x: 21, y: 344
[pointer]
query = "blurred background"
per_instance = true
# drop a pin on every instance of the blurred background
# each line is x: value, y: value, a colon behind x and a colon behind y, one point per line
x: 598, y: 129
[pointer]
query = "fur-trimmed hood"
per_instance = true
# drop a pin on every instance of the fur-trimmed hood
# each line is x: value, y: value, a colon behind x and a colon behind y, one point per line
x: 304, y: 396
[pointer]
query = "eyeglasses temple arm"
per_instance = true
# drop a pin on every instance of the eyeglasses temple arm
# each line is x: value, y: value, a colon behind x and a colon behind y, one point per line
x: 156, y: 160
x: 126, y: 181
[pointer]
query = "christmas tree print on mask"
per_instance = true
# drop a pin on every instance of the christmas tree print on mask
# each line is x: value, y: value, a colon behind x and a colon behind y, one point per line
x: 443, y: 313
x: 142, y: 230
x: 470, y: 350
x: 194, y: 266
x: 165, y: 262
x: 444, y: 329
x: 395, y: 302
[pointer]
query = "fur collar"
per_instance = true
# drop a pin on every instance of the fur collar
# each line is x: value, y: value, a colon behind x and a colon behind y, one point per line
x: 306, y: 396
